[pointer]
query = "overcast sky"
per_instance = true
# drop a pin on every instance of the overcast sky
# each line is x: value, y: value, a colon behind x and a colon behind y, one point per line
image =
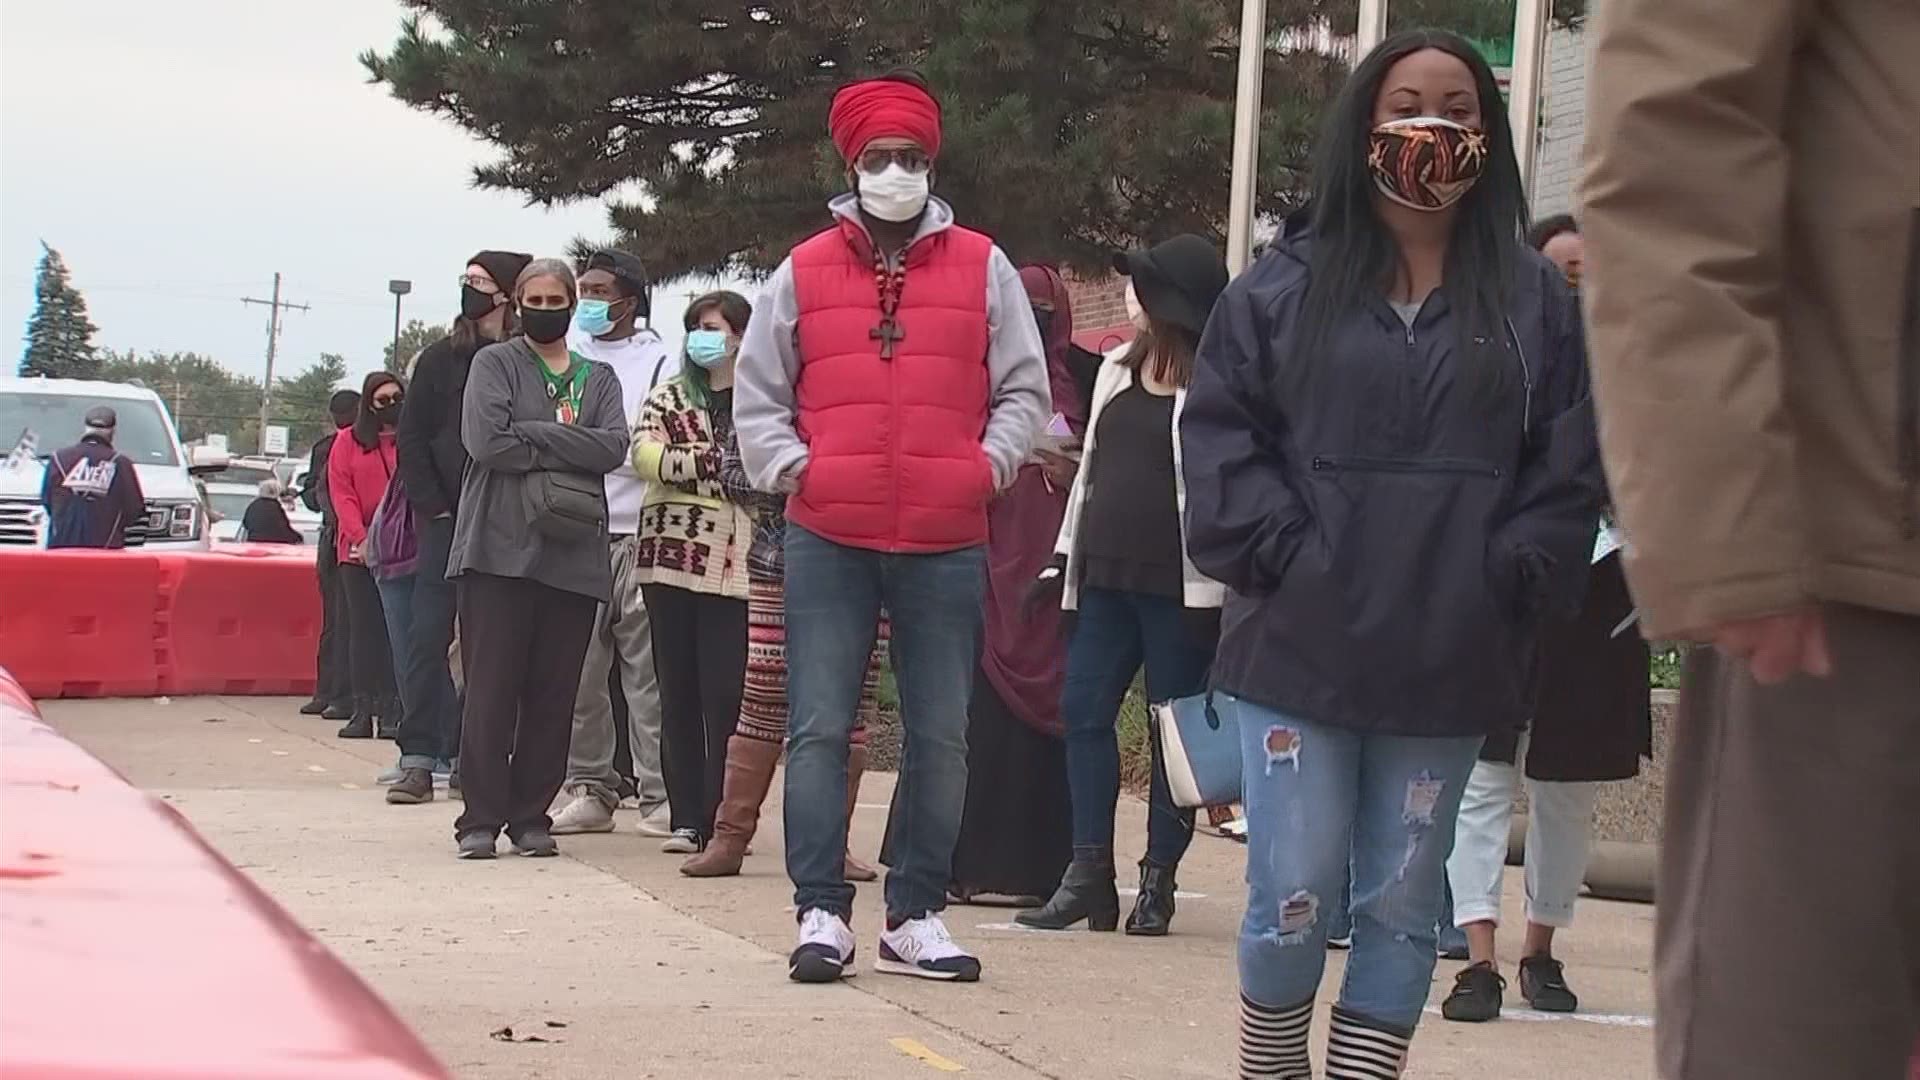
x: 179, y: 153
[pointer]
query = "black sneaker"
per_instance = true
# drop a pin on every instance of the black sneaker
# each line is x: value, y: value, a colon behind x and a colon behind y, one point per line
x: 316, y: 707
x: 535, y: 843
x: 1543, y: 983
x: 360, y: 727
x: 479, y: 844
x: 387, y: 729
x: 337, y: 711
x: 1476, y: 995
x: 414, y: 786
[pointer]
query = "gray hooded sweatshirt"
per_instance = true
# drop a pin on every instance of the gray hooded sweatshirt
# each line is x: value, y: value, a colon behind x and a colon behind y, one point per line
x: 507, y: 425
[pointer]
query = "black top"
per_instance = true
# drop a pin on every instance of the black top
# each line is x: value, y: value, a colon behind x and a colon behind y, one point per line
x: 265, y: 522
x: 1130, y: 529
x: 427, y: 442
x: 315, y: 493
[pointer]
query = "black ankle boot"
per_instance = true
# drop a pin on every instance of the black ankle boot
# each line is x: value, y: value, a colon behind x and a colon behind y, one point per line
x: 1153, y: 911
x: 1086, y: 892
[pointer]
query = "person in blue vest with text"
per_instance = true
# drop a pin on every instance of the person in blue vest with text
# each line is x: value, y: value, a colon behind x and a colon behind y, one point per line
x: 891, y: 382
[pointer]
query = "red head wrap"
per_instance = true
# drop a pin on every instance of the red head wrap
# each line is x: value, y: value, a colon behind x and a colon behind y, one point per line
x: 882, y: 109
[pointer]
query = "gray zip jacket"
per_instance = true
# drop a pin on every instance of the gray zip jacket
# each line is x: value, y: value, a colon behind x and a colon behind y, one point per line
x: 507, y: 425
x: 764, y: 406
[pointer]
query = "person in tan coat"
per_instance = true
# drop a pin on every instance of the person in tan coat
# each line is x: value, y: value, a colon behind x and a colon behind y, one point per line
x: 1752, y: 217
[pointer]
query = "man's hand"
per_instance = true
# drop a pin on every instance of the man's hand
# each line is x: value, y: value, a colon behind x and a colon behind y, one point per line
x: 1776, y: 647
x: 1060, y: 464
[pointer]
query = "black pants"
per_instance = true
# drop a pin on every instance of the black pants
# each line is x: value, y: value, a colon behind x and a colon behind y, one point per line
x: 374, y: 690
x: 700, y: 656
x: 333, y: 682
x: 521, y: 645
x: 431, y: 727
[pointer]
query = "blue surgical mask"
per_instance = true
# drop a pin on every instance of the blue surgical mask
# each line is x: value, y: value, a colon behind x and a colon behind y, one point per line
x: 590, y: 317
x: 708, y: 348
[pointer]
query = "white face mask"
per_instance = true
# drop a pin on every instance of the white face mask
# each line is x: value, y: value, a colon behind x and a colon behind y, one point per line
x: 1136, y: 314
x: 894, y: 194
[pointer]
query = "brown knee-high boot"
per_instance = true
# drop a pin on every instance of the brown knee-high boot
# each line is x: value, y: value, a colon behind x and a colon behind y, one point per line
x: 750, y: 764
x: 856, y: 764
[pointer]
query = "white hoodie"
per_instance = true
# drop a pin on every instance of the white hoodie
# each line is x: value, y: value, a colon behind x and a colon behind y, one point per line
x: 642, y: 362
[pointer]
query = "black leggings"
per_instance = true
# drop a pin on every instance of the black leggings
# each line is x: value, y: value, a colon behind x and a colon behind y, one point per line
x: 371, y: 658
x: 700, y: 658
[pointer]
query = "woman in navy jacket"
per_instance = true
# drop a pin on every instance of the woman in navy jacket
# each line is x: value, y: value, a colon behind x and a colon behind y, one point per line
x: 1390, y: 460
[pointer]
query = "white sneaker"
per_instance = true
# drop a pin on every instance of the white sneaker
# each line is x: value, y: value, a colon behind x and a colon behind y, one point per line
x: 825, y: 952
x: 657, y: 822
x: 585, y: 814
x: 922, y: 947
x: 683, y: 842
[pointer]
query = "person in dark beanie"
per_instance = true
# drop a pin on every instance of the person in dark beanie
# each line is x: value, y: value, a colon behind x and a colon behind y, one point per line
x: 431, y: 463
x: 1121, y: 562
x: 333, y: 686
x: 91, y: 492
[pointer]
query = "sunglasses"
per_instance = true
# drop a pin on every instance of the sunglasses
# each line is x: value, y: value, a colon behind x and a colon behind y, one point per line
x: 388, y: 399
x: 912, y: 159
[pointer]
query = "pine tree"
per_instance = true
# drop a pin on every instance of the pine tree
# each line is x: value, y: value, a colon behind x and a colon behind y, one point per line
x: 59, y: 334
x: 1073, y: 127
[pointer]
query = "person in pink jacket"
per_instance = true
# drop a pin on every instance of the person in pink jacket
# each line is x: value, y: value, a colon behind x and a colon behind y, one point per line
x: 358, y: 471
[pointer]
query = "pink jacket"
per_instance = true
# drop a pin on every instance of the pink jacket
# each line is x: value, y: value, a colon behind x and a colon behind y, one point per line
x: 356, y: 480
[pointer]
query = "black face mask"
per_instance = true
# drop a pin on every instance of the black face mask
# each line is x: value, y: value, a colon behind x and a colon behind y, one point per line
x: 388, y: 415
x: 476, y: 305
x: 1043, y: 319
x: 546, y: 325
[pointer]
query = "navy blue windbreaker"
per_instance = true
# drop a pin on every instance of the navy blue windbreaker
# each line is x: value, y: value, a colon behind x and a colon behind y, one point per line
x: 1390, y: 535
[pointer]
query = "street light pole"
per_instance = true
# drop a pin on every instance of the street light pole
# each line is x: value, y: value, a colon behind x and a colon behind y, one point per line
x: 398, y: 288
x: 1530, y: 21
x: 1372, y: 29
x: 1246, y: 134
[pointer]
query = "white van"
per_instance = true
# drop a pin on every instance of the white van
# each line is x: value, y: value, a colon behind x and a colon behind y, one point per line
x: 48, y: 414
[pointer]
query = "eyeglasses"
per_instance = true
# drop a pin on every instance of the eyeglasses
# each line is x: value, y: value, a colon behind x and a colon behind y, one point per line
x: 910, y: 158
x: 388, y: 399
x: 480, y: 282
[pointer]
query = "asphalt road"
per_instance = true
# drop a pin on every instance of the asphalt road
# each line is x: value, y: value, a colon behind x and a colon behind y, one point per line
x: 652, y: 975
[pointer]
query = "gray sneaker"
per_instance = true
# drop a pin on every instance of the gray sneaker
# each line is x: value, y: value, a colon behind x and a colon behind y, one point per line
x: 584, y: 813
x: 392, y: 775
x: 479, y: 845
x: 535, y: 844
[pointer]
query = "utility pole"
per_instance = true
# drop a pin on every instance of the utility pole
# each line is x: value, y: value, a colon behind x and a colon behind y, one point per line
x: 273, y: 307
x: 1245, y: 181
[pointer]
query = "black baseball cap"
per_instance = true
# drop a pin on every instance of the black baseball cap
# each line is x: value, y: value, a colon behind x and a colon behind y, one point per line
x: 102, y: 417
x: 629, y: 271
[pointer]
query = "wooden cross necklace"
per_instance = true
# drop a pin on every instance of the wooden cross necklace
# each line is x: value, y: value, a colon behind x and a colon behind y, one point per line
x: 890, y: 283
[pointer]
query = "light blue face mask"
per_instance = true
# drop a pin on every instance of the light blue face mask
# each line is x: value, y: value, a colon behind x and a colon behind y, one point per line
x: 590, y: 317
x: 708, y: 348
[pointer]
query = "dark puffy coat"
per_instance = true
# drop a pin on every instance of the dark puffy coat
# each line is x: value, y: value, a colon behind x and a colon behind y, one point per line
x: 1392, y: 532
x: 432, y: 461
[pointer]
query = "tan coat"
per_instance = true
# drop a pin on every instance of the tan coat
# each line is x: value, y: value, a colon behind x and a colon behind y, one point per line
x: 1752, y: 220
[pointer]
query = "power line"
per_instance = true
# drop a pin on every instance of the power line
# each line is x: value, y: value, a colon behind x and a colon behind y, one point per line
x: 273, y: 307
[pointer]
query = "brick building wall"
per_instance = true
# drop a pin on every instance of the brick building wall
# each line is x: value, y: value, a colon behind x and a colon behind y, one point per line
x: 1564, y: 125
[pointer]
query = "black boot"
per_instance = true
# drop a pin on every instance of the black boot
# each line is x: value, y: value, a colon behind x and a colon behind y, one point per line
x: 1153, y: 911
x: 360, y: 727
x: 387, y: 719
x: 1086, y: 892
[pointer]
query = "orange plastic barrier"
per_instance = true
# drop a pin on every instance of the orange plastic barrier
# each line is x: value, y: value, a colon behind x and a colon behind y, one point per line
x: 80, y: 623
x: 241, y: 619
x: 133, y: 950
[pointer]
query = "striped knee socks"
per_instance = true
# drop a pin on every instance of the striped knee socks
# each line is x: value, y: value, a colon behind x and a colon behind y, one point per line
x: 1358, y: 1051
x: 1273, y: 1042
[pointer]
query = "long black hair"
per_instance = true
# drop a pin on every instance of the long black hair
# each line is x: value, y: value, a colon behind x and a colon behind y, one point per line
x: 1354, y: 254
x: 366, y: 426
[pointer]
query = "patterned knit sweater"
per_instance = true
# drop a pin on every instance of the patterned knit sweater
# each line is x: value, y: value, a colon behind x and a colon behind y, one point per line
x: 692, y: 535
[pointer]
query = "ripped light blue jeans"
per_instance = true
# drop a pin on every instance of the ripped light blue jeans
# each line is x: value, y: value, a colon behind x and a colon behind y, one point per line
x: 1323, y: 803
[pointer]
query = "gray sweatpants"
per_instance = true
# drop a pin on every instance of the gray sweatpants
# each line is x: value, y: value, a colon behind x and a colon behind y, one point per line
x: 620, y: 633
x: 1788, y: 928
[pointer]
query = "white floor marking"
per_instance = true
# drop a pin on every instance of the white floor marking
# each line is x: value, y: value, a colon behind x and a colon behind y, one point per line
x: 1602, y: 1019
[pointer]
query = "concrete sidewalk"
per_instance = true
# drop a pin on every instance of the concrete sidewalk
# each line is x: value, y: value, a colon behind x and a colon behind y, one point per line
x: 627, y: 969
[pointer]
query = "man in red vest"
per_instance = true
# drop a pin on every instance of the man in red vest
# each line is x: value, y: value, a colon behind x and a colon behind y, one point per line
x: 891, y: 381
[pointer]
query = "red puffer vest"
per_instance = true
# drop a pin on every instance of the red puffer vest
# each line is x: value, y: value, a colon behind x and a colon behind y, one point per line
x: 895, y: 461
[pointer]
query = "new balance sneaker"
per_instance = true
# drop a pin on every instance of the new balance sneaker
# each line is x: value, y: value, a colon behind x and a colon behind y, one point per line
x: 922, y: 947
x: 1543, y: 984
x: 479, y: 844
x: 684, y: 842
x: 584, y: 813
x: 825, y: 952
x: 534, y: 843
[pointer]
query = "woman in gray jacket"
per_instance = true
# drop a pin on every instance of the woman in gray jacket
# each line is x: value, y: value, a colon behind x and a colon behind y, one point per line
x: 543, y: 426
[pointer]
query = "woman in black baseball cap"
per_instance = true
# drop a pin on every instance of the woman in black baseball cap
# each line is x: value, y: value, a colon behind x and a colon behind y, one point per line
x: 1122, y: 563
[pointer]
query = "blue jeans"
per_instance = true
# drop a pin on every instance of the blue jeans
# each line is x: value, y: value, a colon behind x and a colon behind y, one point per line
x: 834, y: 598
x: 431, y: 728
x: 1114, y: 634
x: 396, y: 605
x: 1323, y: 801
